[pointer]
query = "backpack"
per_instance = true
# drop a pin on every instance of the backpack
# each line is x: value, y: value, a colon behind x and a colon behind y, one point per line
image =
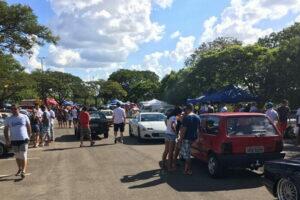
x: 45, y: 119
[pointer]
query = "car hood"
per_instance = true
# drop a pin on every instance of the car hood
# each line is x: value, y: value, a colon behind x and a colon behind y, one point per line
x: 160, y: 126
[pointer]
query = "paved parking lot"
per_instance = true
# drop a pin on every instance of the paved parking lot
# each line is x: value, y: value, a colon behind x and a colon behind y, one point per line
x: 122, y: 171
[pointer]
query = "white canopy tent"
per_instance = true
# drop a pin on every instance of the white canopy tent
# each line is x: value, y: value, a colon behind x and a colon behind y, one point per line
x: 154, y: 105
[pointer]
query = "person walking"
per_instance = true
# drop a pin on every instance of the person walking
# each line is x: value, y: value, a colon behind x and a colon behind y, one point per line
x: 170, y: 139
x: 70, y: 118
x: 35, y: 127
x: 85, y: 131
x: 119, y: 119
x: 271, y: 113
x: 188, y: 134
x: 284, y: 113
x: 52, y: 118
x: 20, y: 130
x: 75, y: 116
x: 46, y: 123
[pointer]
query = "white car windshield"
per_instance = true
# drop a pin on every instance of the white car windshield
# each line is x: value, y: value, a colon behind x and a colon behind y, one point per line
x: 250, y: 126
x: 152, y: 117
x: 107, y: 113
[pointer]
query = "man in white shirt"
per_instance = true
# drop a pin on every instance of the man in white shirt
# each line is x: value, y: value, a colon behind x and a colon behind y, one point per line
x: 223, y: 108
x: 119, y: 119
x: 20, y: 131
x: 271, y: 113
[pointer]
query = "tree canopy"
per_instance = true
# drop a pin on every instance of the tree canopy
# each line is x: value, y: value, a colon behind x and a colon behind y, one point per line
x: 20, y: 31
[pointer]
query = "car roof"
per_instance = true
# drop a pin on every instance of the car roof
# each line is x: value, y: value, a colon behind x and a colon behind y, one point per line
x: 147, y: 113
x: 233, y: 114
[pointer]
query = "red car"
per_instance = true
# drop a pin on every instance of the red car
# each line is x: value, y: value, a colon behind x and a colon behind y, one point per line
x: 236, y: 140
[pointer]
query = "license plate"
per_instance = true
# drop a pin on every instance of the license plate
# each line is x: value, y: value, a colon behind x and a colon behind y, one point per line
x: 255, y: 149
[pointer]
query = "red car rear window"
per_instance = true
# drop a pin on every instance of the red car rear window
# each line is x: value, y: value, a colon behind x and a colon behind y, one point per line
x: 250, y: 125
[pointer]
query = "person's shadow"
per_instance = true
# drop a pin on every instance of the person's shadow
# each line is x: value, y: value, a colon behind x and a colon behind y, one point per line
x: 10, y: 177
x: 199, y: 181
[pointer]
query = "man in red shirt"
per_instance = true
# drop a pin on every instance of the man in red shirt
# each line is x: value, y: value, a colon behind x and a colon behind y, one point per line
x: 85, y: 131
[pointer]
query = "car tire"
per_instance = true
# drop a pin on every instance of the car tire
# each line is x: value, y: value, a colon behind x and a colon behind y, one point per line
x: 2, y: 150
x: 214, y: 167
x: 130, y: 131
x: 140, y: 139
x: 287, y: 189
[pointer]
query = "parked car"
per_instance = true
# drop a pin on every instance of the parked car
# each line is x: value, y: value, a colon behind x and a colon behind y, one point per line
x: 148, y: 125
x: 3, y: 148
x: 98, y: 124
x: 109, y: 116
x: 236, y: 140
x: 282, y: 178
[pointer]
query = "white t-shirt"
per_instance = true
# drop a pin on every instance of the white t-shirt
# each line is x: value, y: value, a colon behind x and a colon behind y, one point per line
x: 119, y: 115
x: 170, y: 121
x: 17, y: 126
x: 272, y: 114
x: 39, y: 113
x: 74, y: 113
x: 52, y: 116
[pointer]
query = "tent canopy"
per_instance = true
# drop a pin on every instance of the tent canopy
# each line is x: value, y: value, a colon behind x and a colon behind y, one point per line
x: 115, y: 101
x: 229, y: 94
x: 67, y: 103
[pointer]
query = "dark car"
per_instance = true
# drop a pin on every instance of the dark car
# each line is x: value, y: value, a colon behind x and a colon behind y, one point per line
x: 98, y: 123
x: 282, y: 178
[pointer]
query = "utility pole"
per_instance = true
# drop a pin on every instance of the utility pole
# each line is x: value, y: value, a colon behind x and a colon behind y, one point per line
x: 42, y: 62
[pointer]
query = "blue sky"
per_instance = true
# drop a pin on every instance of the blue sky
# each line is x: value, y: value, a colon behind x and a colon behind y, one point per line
x: 99, y: 37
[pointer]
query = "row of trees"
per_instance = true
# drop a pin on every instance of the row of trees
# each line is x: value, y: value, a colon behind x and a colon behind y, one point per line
x: 269, y: 68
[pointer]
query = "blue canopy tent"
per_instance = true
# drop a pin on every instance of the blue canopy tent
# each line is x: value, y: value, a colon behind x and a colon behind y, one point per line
x: 115, y: 101
x: 67, y: 103
x: 230, y: 94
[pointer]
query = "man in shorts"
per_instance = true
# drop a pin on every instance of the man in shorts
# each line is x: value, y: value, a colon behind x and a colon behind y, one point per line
x: 188, y: 134
x: 119, y: 119
x: 20, y: 131
x: 85, y: 131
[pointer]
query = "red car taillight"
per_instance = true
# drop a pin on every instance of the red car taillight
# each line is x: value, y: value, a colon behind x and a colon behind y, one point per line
x: 279, y: 146
x: 226, y: 148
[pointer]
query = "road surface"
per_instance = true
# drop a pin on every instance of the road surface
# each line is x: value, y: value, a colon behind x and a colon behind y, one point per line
x: 107, y: 171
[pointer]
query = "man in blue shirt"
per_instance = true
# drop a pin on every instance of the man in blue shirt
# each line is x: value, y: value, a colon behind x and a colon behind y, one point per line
x: 188, y: 134
x: 20, y: 130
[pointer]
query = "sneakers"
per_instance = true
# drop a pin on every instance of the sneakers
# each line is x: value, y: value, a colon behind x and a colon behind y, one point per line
x: 18, y: 173
x: 22, y: 174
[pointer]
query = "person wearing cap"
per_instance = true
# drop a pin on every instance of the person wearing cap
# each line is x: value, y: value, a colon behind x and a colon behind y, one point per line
x: 119, y: 119
x: 188, y: 133
x: 271, y: 113
x: 18, y: 125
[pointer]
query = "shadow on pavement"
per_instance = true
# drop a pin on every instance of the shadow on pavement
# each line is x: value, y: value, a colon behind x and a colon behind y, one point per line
x: 7, y: 155
x: 134, y: 141
x: 66, y: 138
x: 200, y: 181
x: 7, y: 178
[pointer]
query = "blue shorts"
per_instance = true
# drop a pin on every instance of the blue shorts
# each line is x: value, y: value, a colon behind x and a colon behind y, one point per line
x: 35, y: 128
x: 186, y: 149
x: 170, y: 137
x: 45, y: 130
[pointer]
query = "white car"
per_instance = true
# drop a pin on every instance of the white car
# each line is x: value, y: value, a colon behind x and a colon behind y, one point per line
x: 148, y: 125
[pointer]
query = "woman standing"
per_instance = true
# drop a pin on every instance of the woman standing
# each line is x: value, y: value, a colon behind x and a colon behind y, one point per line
x: 170, y: 139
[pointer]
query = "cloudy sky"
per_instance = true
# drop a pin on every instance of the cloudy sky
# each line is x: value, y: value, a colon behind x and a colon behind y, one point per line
x: 98, y: 37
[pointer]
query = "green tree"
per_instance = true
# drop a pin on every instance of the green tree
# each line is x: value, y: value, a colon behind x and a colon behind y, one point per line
x: 13, y: 78
x: 20, y: 31
x: 131, y: 80
x: 112, y: 90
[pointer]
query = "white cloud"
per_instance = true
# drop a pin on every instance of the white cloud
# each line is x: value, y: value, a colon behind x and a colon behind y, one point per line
x: 174, y: 35
x: 184, y: 48
x: 164, y: 3
x: 162, y: 62
x: 33, y: 61
x: 242, y: 17
x: 297, y: 19
x: 97, y: 33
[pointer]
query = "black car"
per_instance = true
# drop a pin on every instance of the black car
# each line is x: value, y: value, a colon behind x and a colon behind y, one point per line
x: 98, y: 123
x: 282, y: 178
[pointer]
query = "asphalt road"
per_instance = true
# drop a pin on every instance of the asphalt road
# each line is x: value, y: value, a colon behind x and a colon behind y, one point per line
x: 107, y: 171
